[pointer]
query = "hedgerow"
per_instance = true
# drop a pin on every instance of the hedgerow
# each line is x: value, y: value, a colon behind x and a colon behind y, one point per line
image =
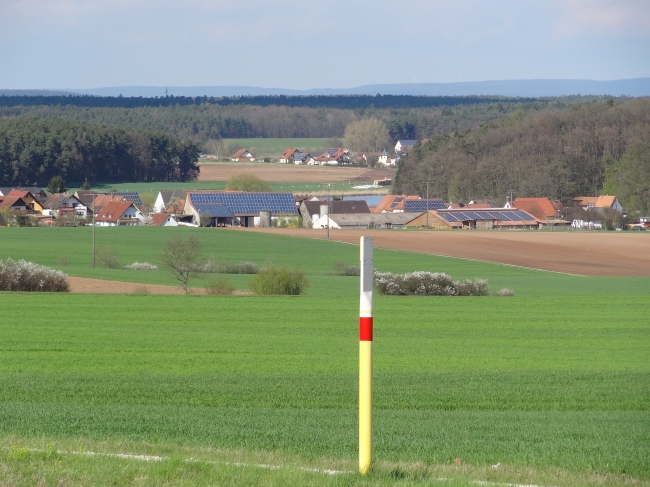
x: 423, y: 283
x: 22, y: 275
x: 141, y: 266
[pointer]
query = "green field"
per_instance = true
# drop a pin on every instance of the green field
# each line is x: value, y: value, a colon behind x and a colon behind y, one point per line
x: 291, y: 187
x: 553, y: 385
x: 274, y: 147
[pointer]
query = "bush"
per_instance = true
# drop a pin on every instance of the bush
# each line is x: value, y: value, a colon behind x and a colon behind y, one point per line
x: 143, y: 290
x: 225, y: 267
x: 29, y: 276
x: 422, y: 283
x: 141, y: 266
x: 107, y: 257
x: 340, y: 269
x: 219, y: 285
x: 505, y: 292
x: 279, y: 281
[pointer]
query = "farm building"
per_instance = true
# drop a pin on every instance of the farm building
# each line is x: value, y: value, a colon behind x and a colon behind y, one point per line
x: 480, y: 219
x: 313, y: 210
x: 541, y: 208
x: 393, y: 203
x: 118, y: 214
x: 354, y: 221
x: 241, y: 209
x: 242, y: 155
x: 419, y: 206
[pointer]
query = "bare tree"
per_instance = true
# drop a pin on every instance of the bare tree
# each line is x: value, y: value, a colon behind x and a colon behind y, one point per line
x: 181, y: 256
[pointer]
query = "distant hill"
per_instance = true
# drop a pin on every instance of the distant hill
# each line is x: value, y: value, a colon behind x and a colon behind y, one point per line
x: 36, y: 93
x: 524, y: 88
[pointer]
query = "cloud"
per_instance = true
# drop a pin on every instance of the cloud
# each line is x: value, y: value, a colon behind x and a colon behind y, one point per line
x: 603, y: 17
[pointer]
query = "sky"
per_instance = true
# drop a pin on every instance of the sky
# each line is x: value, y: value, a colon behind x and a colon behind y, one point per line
x: 301, y: 44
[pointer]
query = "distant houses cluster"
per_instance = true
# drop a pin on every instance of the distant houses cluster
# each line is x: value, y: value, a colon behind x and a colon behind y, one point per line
x: 334, y: 156
x: 241, y: 209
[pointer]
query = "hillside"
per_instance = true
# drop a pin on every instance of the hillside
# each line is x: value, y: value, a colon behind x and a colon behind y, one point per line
x: 581, y: 150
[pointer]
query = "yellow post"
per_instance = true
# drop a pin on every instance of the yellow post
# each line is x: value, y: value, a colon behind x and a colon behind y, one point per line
x: 365, y: 356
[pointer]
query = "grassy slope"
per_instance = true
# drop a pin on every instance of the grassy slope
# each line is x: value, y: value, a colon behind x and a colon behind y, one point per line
x: 558, y: 376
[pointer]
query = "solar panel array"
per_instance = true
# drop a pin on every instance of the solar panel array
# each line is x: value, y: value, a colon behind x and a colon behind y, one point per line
x: 423, y: 205
x: 460, y: 216
x: 213, y: 210
x: 248, y: 203
x: 131, y: 196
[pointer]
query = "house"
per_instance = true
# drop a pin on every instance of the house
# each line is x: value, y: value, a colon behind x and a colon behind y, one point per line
x: 313, y: 210
x: 118, y: 213
x: 479, y: 219
x: 89, y: 197
x: 242, y: 155
x: 101, y: 200
x: 541, y: 208
x: 237, y: 208
x: 598, y: 203
x: 404, y: 145
x: 59, y: 203
x: 393, y: 203
x: 288, y: 155
x: 33, y: 204
x: 352, y: 221
x: 333, y: 156
x: 165, y: 197
x: 163, y: 220
x: 36, y: 191
x: 303, y: 158
x: 13, y: 203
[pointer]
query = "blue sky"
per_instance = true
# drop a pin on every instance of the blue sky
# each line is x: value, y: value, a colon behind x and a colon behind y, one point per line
x: 302, y: 44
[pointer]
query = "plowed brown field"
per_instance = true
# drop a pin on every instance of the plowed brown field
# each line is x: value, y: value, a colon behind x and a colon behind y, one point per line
x: 88, y: 285
x: 293, y: 173
x: 588, y: 254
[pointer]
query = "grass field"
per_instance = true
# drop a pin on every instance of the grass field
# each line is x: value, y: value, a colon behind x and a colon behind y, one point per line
x: 291, y: 187
x: 553, y: 385
x: 274, y: 147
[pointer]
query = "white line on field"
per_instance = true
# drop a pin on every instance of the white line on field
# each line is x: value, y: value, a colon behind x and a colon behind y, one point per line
x: 155, y: 458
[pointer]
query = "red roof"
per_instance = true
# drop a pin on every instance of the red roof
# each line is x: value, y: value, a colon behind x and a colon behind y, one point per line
x: 288, y: 153
x: 113, y: 211
x: 540, y: 208
x: 392, y: 202
x: 239, y: 153
x: 9, y: 201
x: 159, y: 218
x: 17, y: 192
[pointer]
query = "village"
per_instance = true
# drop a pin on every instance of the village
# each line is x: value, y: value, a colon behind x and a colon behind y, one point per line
x: 32, y: 206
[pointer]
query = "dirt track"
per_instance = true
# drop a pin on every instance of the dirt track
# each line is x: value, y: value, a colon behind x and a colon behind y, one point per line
x: 101, y: 286
x: 588, y: 254
x: 291, y: 173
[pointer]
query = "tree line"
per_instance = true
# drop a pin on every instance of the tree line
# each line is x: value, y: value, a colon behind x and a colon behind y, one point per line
x: 33, y: 151
x: 350, y: 102
x: 586, y: 150
x: 204, y: 123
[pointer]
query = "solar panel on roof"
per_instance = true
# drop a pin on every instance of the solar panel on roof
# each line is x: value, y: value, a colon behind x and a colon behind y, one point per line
x: 249, y: 203
x: 213, y: 209
x: 423, y: 205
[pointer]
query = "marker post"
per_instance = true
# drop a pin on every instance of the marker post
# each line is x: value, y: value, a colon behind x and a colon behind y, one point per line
x: 365, y: 356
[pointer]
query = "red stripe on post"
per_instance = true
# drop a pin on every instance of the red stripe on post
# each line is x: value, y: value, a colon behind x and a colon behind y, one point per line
x: 365, y: 329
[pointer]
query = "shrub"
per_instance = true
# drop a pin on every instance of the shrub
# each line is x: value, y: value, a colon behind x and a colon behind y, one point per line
x: 422, y: 283
x: 106, y: 257
x: 280, y: 281
x: 141, y: 290
x: 219, y: 285
x: 340, y: 269
x: 225, y: 267
x: 29, y: 276
x: 141, y: 266
x: 505, y: 292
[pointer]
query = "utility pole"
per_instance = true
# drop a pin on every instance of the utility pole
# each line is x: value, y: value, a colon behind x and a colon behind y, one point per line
x: 93, y: 210
x: 427, y: 181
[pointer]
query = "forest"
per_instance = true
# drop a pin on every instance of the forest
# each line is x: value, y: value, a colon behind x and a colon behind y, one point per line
x: 205, y: 122
x: 32, y: 151
x: 585, y: 150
